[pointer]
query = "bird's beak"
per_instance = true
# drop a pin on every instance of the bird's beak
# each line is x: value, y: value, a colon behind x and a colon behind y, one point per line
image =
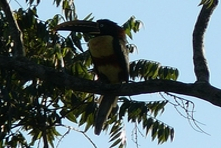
x: 79, y: 26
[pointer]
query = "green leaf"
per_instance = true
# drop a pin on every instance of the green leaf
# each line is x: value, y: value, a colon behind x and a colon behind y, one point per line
x: 161, y: 135
x: 206, y: 2
x: 88, y: 17
x: 144, y: 69
x: 116, y: 142
x: 130, y: 25
x: 90, y: 122
x: 116, y: 136
x: 70, y: 116
x: 155, y: 130
x: 147, y: 124
x: 167, y: 133
x: 168, y: 73
x: 115, y: 128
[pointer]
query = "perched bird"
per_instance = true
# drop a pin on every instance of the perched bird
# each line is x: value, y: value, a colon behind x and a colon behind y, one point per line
x: 109, y: 56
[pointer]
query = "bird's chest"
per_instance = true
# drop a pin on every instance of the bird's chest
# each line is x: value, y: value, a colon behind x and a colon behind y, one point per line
x: 101, y: 46
x: 105, y: 59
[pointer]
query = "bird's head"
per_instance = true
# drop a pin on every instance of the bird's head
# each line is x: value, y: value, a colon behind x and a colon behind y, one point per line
x: 99, y: 28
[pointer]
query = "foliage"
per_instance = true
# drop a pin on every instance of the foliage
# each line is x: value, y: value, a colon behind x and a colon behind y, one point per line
x: 37, y: 107
x: 152, y: 70
x: 206, y: 2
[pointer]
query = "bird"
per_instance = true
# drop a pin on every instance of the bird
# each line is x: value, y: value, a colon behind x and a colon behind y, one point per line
x: 110, y: 58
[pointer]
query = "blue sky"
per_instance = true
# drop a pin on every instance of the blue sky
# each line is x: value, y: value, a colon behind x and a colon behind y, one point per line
x: 167, y: 38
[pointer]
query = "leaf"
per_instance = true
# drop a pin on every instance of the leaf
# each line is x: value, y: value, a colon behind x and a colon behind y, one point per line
x: 168, y: 73
x: 58, y: 2
x: 90, y: 121
x: 171, y: 134
x: 131, y: 24
x: 70, y: 116
x: 115, y: 128
x: 144, y: 69
x: 88, y: 17
x: 123, y: 109
x: 154, y: 130
x: 167, y: 133
x: 206, y: 2
x: 147, y: 124
x: 134, y: 111
x: 159, y: 107
x: 160, y: 134
x: 116, y: 135
x: 116, y: 142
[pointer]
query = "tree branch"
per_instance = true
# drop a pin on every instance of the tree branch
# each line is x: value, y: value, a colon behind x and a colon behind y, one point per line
x: 16, y: 34
x: 30, y: 70
x: 200, y: 64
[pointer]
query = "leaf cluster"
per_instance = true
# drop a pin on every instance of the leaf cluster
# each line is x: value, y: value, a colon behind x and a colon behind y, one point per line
x: 32, y: 105
x: 145, y: 69
x: 132, y: 25
x: 36, y: 107
x: 143, y: 113
x: 146, y: 113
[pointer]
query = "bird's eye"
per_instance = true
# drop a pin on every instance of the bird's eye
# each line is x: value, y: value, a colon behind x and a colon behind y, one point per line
x: 101, y: 25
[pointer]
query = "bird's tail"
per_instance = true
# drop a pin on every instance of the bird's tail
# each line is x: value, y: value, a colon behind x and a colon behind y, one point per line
x: 105, y: 108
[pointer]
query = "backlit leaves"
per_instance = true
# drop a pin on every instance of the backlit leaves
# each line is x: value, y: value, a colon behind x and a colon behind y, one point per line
x: 138, y: 109
x: 132, y: 25
x: 30, y: 2
x: 158, y: 130
x: 145, y: 69
x: 115, y: 134
x: 145, y: 113
x: 37, y: 107
x: 168, y: 73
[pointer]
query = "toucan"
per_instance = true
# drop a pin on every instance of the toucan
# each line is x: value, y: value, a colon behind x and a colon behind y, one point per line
x: 109, y: 56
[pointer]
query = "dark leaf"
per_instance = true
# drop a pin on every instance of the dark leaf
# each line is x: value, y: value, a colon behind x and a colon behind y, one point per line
x: 116, y: 136
x: 155, y: 130
x: 147, y: 124
x: 123, y: 109
x: 171, y: 134
x: 116, y: 142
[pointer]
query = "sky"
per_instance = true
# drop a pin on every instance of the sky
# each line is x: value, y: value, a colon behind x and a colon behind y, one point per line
x: 166, y: 38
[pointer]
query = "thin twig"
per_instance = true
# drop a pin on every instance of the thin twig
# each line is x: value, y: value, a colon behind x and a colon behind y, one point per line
x: 18, y: 3
x: 77, y: 130
x: 189, y: 112
x: 134, y: 135
x: 62, y: 137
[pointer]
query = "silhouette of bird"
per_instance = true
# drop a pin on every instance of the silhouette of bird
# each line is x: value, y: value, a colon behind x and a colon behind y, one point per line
x: 109, y: 56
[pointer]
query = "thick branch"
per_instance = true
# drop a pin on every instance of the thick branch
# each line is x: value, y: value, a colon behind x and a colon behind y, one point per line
x: 200, y: 64
x: 16, y: 34
x: 60, y: 79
